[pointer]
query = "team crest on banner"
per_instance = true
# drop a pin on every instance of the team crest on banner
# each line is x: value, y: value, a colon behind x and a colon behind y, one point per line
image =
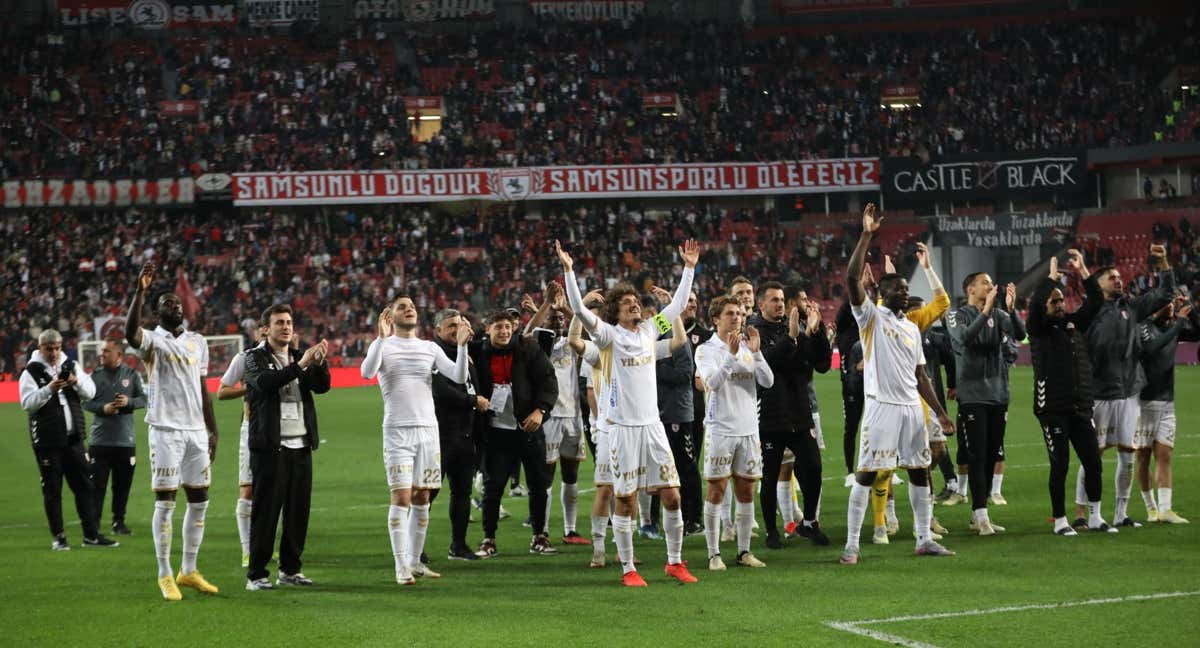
x: 514, y: 184
x: 150, y: 14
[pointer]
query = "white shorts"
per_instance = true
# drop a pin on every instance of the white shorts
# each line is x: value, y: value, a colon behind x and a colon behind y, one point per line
x: 1116, y: 421
x: 641, y: 459
x: 892, y: 436
x: 1156, y: 424
x: 179, y: 457
x: 244, y: 476
x: 737, y: 456
x: 564, y: 438
x: 412, y: 457
x: 936, y: 433
x: 603, y: 474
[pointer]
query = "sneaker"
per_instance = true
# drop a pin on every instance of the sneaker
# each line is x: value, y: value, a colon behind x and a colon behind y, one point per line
x: 119, y: 528
x: 424, y: 558
x: 1066, y: 531
x: 893, y: 526
x: 693, y: 528
x: 599, y: 559
x: 944, y: 495
x: 169, y: 589
x: 527, y: 522
x: 1080, y: 523
x: 504, y: 514
x: 573, y: 538
x: 245, y: 560
x: 1151, y: 515
x: 632, y: 579
x: 849, y: 556
x: 715, y: 563
x: 773, y: 541
x: 747, y: 559
x: 1171, y: 517
x: 100, y: 541
x: 998, y: 499
x: 60, y: 543
x: 728, y: 534
x: 1103, y: 527
x: 679, y: 572
x: 954, y: 500
x: 849, y: 483
x: 487, y: 548
x: 477, y: 503
x: 814, y: 533
x: 880, y: 537
x: 790, y: 528
x: 461, y: 553
x: 896, y: 481
x: 541, y: 545
x: 404, y: 576
x: 936, y: 527
x: 1127, y: 522
x: 258, y: 584
x: 293, y: 579
x: 423, y: 571
x: 983, y: 527
x: 650, y: 532
x: 931, y: 548
x: 518, y: 491
x: 196, y: 581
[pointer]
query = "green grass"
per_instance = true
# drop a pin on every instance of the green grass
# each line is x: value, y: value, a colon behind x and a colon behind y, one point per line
x: 109, y: 597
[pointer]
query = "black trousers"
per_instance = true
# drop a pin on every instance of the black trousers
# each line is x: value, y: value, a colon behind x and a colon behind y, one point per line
x: 119, y: 462
x: 807, y: 469
x: 680, y: 437
x: 852, y: 411
x: 981, y: 435
x: 282, y: 483
x: 1060, y: 431
x: 70, y: 462
x: 506, y: 451
x: 458, y: 468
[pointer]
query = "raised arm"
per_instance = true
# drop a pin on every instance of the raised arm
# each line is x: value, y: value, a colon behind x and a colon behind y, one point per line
x: 1010, y: 307
x: 762, y: 370
x: 370, y: 364
x: 678, y: 335
x: 590, y: 321
x: 575, y: 335
x: 871, y: 222
x: 133, y: 319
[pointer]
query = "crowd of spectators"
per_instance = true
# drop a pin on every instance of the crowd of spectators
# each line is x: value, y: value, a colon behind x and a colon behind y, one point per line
x: 85, y: 105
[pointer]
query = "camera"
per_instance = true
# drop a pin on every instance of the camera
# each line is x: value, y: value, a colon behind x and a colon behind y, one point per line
x: 67, y: 370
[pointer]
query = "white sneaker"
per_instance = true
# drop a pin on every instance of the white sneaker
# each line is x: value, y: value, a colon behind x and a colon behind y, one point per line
x: 881, y: 536
x: 849, y: 480
x: 518, y: 491
x: 292, y: 579
x: 747, y: 559
x: 404, y: 576
x: 997, y: 499
x: 715, y: 563
x: 893, y: 526
x: 421, y: 570
x: 259, y: 584
x: 504, y: 512
x: 728, y: 534
x: 1171, y: 517
x: 983, y: 527
x: 937, y: 527
x: 598, y: 559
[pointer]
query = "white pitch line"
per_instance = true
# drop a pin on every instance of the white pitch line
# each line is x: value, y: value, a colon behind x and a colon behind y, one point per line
x: 854, y: 627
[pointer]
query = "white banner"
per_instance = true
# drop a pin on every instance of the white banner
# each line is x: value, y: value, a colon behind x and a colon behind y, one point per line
x: 97, y: 193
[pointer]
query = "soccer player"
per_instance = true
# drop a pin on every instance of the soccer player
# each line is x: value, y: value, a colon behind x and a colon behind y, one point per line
x: 182, y: 430
x: 641, y: 453
x: 411, y: 448
x: 729, y: 368
x: 230, y: 389
x: 1155, y: 433
x: 1116, y: 348
x: 895, y: 381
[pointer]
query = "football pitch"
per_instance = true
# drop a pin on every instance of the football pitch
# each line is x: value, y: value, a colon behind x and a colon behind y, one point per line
x: 1024, y: 587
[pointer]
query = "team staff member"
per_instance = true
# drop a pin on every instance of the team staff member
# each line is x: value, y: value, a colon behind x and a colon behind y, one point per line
x: 52, y: 388
x: 458, y: 408
x: 1063, y: 390
x: 112, y: 446
x: 283, y: 436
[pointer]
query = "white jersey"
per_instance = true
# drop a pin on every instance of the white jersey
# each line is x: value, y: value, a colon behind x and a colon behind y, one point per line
x: 892, y: 350
x: 599, y: 364
x: 633, y: 385
x: 236, y: 370
x: 566, y: 370
x: 405, y: 369
x: 730, y: 391
x: 176, y: 367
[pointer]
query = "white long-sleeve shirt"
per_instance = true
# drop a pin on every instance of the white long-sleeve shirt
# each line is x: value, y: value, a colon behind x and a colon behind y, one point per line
x: 731, y: 397
x: 405, y: 369
x: 34, y: 397
x: 632, y: 387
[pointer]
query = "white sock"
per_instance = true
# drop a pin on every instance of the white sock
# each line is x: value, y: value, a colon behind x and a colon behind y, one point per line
x: 623, y: 535
x: 243, y: 524
x: 1148, y: 500
x: 599, y: 532
x: 952, y: 484
x: 1164, y: 499
x: 712, y: 527
x: 745, y: 523
x: 855, y: 512
x: 418, y: 528
x: 727, y: 505
x: 783, y: 497
x: 918, y: 497
x: 1060, y: 524
x: 962, y: 484
x: 1094, y: 517
x: 643, y: 508
x: 1124, y: 483
x: 1080, y: 492
x: 980, y: 515
x: 546, y: 519
x: 673, y: 529
x: 570, y: 500
x: 398, y: 531
x: 164, y: 510
x: 997, y: 480
x: 193, y: 534
x: 889, y: 511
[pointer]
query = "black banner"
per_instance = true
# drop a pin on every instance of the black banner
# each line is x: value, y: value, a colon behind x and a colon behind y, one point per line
x: 1004, y: 230
x: 1033, y: 175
